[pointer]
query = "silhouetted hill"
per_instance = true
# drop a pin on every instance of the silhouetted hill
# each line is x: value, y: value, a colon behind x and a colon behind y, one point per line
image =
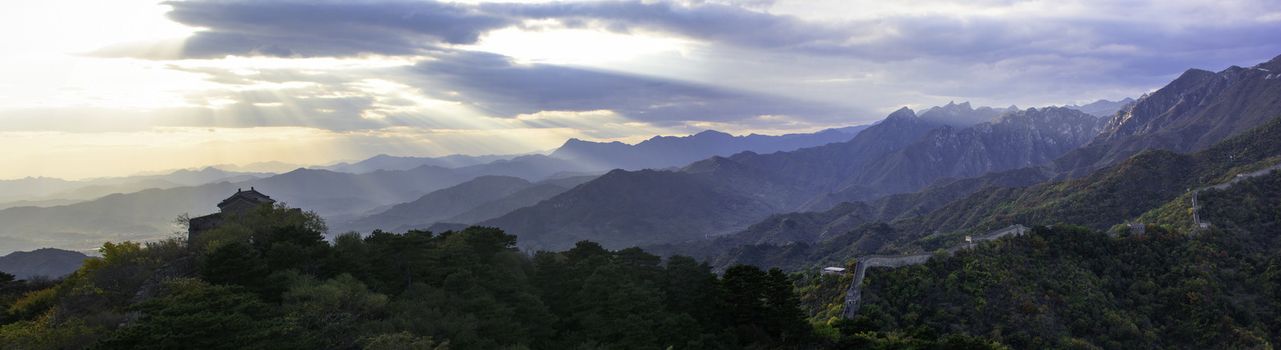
x: 670, y: 151
x: 534, y: 194
x: 44, y: 262
x: 621, y: 207
x: 532, y: 167
x: 441, y: 204
x: 52, y: 191
x: 387, y: 162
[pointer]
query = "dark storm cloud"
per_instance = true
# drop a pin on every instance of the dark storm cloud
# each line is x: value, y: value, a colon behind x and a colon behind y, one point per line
x: 497, y: 85
x: 1007, y: 58
x: 712, y: 22
x: 971, y: 38
x: 327, y: 28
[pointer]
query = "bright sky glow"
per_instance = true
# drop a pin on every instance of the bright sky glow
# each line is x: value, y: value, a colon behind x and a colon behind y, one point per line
x: 578, y: 46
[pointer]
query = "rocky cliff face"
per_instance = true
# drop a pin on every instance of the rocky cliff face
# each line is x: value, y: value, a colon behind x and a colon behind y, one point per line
x: 1021, y: 139
x: 963, y: 115
x: 1015, y: 140
x: 1193, y: 112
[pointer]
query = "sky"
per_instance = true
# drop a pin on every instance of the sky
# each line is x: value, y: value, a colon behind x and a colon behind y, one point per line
x: 107, y: 88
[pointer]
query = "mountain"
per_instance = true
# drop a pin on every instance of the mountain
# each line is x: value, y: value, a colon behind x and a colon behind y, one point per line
x: 441, y: 204
x: 190, y: 177
x: 532, y: 167
x: 335, y: 194
x: 1228, y: 269
x: 1193, y: 112
x: 529, y: 196
x: 799, y: 239
x: 1016, y: 140
x: 273, y: 167
x: 43, y: 190
x: 45, y: 262
x: 1151, y: 187
x: 339, y: 197
x: 715, y: 196
x: 387, y: 162
x: 1016, y: 196
x: 623, y: 208
x: 902, y: 153
x: 963, y: 115
x: 1103, y: 108
x: 669, y: 151
x: 825, y: 167
x: 1117, y: 193
x: 149, y: 214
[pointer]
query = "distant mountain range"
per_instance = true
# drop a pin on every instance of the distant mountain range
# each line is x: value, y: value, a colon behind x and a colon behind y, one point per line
x: 577, y: 155
x: 482, y: 198
x: 1146, y: 187
x: 720, y: 195
x: 149, y: 214
x: 962, y: 115
x: 386, y: 162
x: 668, y: 151
x: 903, y: 154
x: 1115, y: 192
x: 1103, y: 108
x: 1016, y: 140
x: 45, y: 262
x: 145, y: 208
x: 51, y: 191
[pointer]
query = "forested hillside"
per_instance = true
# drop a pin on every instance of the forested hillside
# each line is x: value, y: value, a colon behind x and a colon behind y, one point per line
x: 1073, y: 288
x: 269, y: 280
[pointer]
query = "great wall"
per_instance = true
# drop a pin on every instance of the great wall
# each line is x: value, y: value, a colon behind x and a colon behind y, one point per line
x: 854, y: 294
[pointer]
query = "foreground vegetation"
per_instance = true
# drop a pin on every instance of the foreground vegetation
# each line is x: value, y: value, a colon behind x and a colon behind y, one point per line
x: 269, y: 281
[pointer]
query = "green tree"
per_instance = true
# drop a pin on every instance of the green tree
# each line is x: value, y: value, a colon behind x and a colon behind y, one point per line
x: 193, y: 314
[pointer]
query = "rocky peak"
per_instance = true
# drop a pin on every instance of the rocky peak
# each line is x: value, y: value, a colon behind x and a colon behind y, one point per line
x: 712, y: 133
x: 1273, y: 65
x: 902, y: 113
x: 960, y: 115
x: 1189, y: 77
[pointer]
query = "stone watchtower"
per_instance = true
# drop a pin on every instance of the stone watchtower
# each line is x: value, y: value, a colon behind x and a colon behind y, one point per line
x: 238, y: 204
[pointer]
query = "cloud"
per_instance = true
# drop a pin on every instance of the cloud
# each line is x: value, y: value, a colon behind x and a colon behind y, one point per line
x: 496, y: 84
x: 972, y: 31
x: 716, y: 22
x: 755, y: 57
x: 327, y: 28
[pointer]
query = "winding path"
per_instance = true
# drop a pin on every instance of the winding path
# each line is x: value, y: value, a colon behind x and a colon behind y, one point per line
x: 1196, y: 215
x: 854, y: 295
